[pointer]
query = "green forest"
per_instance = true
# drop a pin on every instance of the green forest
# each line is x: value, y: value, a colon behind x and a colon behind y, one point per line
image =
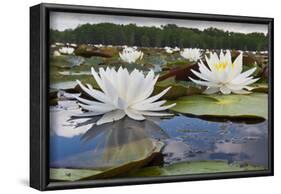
x: 168, y: 35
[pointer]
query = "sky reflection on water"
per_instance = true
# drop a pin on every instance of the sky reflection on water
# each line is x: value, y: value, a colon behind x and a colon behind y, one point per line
x: 79, y: 142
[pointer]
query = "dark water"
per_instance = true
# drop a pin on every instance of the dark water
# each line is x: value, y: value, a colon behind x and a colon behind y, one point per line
x: 80, y: 143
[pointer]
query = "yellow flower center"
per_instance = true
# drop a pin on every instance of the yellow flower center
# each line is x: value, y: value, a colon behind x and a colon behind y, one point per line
x: 220, y: 66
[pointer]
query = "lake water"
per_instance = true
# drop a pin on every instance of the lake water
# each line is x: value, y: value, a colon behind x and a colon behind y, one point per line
x: 186, y: 138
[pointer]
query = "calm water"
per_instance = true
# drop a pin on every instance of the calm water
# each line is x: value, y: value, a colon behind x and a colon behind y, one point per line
x: 72, y: 141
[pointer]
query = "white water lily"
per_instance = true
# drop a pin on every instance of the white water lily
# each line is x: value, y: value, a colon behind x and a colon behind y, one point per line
x: 122, y: 94
x: 168, y: 50
x: 56, y: 53
x: 130, y: 55
x: 73, y: 45
x: 98, y: 45
x: 224, y: 75
x: 176, y: 49
x: 66, y: 50
x: 59, y: 44
x: 192, y: 54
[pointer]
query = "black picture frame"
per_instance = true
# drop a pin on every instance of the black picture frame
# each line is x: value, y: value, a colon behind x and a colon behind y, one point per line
x: 39, y: 79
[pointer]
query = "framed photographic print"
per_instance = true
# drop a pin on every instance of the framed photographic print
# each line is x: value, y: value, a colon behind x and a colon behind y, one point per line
x: 124, y: 96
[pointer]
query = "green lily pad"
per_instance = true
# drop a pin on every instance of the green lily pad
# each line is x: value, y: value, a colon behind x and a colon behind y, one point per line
x: 72, y: 174
x: 178, y: 89
x: 196, y: 167
x: 253, y: 105
x: 260, y: 87
x: 63, y: 174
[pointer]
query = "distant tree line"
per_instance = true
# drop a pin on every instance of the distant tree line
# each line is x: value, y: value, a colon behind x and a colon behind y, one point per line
x: 168, y: 35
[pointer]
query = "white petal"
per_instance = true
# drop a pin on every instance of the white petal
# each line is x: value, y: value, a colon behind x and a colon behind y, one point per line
x: 154, y: 98
x: 211, y: 90
x: 88, y: 102
x: 208, y: 74
x: 147, y: 87
x: 148, y: 113
x: 162, y: 107
x: 121, y: 104
x: 237, y: 65
x: 156, y: 106
x: 122, y: 82
x: 228, y: 57
x: 243, y: 75
x: 200, y: 75
x: 98, y: 108
x: 251, y: 81
x: 88, y: 114
x: 225, y: 90
x: 111, y: 116
x: 134, y: 114
x: 141, y: 106
x: 110, y: 90
x: 204, y: 83
x: 135, y: 83
x: 94, y: 93
x: 97, y: 78
x: 235, y: 87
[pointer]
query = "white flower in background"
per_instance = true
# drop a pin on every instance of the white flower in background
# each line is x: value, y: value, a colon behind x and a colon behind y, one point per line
x: 56, y: 53
x: 168, y: 49
x: 130, y: 55
x: 98, y: 45
x: 66, y: 50
x: 59, y: 44
x: 73, y: 45
x: 176, y: 49
x: 122, y: 94
x: 192, y: 54
x: 223, y: 75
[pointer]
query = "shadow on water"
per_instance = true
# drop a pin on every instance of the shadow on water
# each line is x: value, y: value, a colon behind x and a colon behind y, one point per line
x: 249, y: 120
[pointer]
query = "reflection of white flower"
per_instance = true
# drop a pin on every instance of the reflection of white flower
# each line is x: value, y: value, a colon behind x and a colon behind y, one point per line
x: 122, y: 94
x: 130, y: 55
x: 192, y: 54
x: 223, y: 75
x: 66, y: 50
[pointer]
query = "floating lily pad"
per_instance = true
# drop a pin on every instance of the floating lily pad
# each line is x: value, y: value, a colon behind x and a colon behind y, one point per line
x: 253, y: 105
x: 67, y: 174
x: 260, y: 87
x: 197, y: 167
x: 178, y: 89
x: 89, y: 51
x: 62, y: 174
